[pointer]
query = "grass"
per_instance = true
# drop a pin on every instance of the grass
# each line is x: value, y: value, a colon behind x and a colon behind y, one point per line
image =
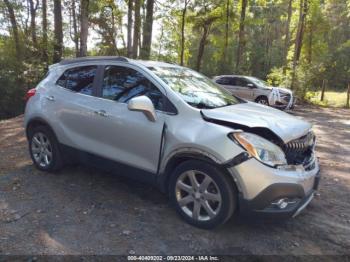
x: 331, y: 98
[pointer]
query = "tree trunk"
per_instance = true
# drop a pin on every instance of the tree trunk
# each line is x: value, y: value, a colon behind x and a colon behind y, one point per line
x: 44, y: 25
x: 129, y: 33
x: 75, y: 37
x: 33, y: 8
x: 348, y: 97
x: 311, y: 32
x: 58, y: 34
x: 84, y: 26
x: 14, y: 28
x: 241, y: 39
x: 287, y: 39
x: 299, y: 38
x: 183, y: 17
x: 202, y: 43
x: 324, y: 84
x: 160, y: 41
x: 226, y: 30
x: 147, y: 31
x: 137, y: 26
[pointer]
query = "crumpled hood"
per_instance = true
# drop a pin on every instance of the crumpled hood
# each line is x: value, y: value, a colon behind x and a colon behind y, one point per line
x: 279, y: 88
x: 285, y: 90
x: 286, y: 126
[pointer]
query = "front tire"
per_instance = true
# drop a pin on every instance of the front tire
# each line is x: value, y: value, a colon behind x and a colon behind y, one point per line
x: 262, y: 100
x: 44, y: 149
x: 202, y: 194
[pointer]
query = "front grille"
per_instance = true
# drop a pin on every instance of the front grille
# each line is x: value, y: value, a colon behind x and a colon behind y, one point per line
x: 285, y: 97
x: 300, y: 151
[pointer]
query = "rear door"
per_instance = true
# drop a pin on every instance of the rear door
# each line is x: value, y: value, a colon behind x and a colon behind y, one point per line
x: 71, y: 103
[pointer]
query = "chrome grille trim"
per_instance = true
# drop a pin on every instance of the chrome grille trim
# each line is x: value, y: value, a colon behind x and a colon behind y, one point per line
x: 301, y: 144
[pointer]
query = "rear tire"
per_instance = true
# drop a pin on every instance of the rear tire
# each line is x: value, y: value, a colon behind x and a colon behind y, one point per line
x: 44, y: 149
x: 202, y: 194
x: 262, y: 100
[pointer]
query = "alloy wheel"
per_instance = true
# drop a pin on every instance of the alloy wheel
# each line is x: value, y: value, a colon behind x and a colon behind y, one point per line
x: 198, y: 195
x: 262, y: 101
x: 41, y: 149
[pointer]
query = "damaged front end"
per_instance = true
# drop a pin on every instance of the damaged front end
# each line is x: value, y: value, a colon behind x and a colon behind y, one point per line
x: 301, y: 151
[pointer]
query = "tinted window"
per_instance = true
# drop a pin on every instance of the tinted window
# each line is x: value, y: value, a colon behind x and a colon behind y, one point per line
x: 122, y: 83
x: 224, y: 81
x: 79, y: 79
x: 241, y: 82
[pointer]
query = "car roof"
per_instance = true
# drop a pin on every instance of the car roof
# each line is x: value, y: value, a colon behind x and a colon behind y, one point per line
x: 113, y: 59
x: 230, y: 76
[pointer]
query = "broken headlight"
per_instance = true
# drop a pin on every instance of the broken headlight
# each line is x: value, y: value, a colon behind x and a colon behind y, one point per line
x: 260, y: 148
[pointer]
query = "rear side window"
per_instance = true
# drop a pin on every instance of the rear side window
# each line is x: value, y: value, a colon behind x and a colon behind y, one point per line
x: 123, y: 83
x: 78, y: 79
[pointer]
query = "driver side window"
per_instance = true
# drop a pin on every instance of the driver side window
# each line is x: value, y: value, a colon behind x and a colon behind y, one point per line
x: 121, y: 84
x: 241, y: 82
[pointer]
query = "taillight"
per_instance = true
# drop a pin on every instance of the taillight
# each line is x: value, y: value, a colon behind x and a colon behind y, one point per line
x: 30, y: 93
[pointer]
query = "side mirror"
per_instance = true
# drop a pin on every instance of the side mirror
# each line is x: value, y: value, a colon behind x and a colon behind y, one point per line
x: 250, y: 85
x: 144, y: 105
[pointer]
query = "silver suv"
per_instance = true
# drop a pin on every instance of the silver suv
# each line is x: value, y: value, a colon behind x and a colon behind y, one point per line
x: 213, y: 153
x: 257, y: 90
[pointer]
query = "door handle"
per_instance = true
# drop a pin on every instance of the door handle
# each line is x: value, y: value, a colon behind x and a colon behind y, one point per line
x: 101, y: 113
x: 50, y: 98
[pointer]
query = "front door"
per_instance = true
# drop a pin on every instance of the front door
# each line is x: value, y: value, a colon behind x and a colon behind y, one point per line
x: 128, y: 136
x: 243, y: 90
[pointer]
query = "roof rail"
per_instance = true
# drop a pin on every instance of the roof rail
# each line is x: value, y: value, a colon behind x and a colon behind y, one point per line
x: 93, y: 59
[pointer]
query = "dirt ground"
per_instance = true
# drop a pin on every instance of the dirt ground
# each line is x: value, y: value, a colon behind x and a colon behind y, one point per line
x: 81, y: 211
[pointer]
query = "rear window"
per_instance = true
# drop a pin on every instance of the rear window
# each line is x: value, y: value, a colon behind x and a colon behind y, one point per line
x: 78, y: 79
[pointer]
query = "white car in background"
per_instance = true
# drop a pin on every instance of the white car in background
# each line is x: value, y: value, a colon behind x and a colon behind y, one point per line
x: 257, y: 90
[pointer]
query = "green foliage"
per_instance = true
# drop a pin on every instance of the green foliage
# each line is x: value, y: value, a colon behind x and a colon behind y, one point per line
x: 325, y: 48
x: 331, y: 98
x: 11, y: 81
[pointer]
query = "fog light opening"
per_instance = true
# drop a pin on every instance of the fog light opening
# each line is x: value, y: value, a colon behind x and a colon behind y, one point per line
x: 283, y: 203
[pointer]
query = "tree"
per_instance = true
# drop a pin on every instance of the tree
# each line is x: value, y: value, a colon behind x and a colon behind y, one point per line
x: 183, y: 20
x: 137, y: 26
x: 147, y: 31
x: 45, y: 38
x: 84, y: 26
x: 224, y: 53
x: 74, y: 25
x: 204, y: 15
x: 299, y: 38
x: 241, y: 40
x: 58, y: 34
x: 129, y: 30
x: 33, y: 9
x: 14, y: 27
x: 287, y: 37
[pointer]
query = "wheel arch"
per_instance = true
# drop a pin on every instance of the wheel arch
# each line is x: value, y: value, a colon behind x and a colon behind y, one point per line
x: 38, y: 121
x: 178, y: 158
x: 261, y: 96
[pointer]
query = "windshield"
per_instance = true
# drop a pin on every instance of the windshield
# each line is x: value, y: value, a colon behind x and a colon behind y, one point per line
x: 259, y: 82
x: 196, y: 89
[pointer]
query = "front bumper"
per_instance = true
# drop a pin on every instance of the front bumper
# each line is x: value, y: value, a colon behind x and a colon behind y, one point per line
x: 285, y: 104
x: 271, y: 192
